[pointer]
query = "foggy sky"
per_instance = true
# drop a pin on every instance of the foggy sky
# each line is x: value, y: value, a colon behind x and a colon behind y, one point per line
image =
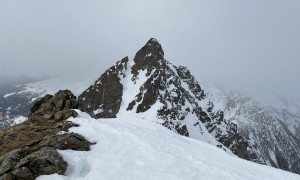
x: 253, y: 43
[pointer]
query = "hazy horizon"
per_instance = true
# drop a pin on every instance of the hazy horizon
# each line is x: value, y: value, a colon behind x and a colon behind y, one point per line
x: 251, y: 44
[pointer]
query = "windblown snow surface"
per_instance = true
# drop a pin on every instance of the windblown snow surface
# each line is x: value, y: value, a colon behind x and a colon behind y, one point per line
x: 137, y: 148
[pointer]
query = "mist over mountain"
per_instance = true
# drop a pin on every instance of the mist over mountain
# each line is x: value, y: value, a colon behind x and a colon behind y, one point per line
x: 11, y: 79
x: 251, y: 44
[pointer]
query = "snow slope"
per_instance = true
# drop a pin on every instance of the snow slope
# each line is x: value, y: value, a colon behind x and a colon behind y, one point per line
x: 129, y: 149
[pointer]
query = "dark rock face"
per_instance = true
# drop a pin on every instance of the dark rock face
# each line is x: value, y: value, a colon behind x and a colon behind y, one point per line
x: 28, y: 150
x: 103, y: 99
x: 149, y: 58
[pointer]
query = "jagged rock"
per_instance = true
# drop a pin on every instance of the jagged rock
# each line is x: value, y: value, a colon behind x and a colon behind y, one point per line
x: 57, y: 106
x: 48, y: 117
x: 29, y: 149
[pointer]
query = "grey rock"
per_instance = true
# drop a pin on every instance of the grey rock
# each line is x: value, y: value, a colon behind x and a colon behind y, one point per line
x: 67, y: 141
x: 22, y: 173
x: 6, y: 177
x: 43, y: 162
x: 8, y: 161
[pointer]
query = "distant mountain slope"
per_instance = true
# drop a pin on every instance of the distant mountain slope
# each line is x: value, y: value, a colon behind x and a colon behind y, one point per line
x: 17, y: 99
x: 274, y: 127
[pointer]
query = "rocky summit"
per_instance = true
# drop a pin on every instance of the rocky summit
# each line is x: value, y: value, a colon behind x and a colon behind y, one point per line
x: 150, y: 83
x: 29, y: 149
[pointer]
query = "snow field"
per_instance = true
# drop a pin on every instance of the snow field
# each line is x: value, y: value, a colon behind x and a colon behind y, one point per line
x: 142, y: 150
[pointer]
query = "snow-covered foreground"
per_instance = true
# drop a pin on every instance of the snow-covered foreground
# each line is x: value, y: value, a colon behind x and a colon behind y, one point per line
x: 137, y: 148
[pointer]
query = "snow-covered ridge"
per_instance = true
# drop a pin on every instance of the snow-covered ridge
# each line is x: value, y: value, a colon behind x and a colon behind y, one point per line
x: 134, y: 149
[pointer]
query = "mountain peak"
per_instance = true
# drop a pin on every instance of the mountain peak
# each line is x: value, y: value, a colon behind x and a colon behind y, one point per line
x: 152, y: 50
x: 154, y: 46
x: 150, y: 56
x: 152, y: 41
x: 152, y: 86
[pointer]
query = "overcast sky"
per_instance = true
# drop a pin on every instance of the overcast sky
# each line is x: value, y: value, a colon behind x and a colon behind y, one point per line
x: 251, y: 42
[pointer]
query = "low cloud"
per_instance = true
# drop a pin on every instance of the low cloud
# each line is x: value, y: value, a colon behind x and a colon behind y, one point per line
x: 254, y: 43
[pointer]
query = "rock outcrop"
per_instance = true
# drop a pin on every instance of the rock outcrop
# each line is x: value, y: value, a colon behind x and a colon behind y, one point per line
x: 29, y: 149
